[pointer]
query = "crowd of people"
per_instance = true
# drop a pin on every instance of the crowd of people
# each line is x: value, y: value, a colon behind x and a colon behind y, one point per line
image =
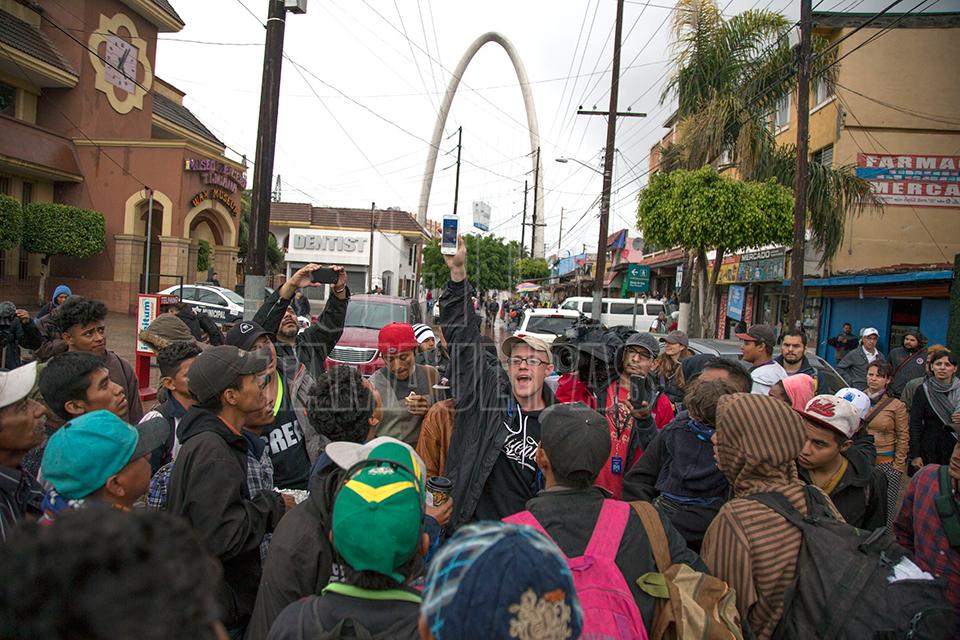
x: 466, y: 489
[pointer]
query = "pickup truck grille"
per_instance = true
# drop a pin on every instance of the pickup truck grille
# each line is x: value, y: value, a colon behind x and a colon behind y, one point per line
x: 352, y: 355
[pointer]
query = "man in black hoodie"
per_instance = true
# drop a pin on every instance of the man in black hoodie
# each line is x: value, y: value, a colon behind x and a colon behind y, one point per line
x: 491, y: 459
x: 208, y: 486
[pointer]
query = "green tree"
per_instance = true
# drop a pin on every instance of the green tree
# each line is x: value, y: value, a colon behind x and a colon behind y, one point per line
x: 11, y: 223
x: 274, y: 252
x: 728, y: 75
x: 203, y: 256
x: 491, y: 263
x: 532, y: 269
x: 703, y: 211
x: 61, y: 230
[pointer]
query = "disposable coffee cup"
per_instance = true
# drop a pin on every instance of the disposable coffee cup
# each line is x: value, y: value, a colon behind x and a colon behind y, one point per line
x: 438, y: 490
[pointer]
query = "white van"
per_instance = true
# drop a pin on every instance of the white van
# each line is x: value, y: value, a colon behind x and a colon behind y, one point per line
x: 618, y: 312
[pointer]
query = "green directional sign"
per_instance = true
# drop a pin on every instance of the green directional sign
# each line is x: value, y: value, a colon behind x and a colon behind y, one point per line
x: 638, y: 278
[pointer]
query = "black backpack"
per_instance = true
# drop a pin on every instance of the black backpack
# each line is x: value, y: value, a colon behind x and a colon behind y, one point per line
x: 841, y: 590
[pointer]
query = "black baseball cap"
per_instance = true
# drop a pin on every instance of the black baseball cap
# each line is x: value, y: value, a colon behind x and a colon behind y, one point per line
x: 219, y: 367
x: 759, y: 333
x: 244, y: 334
x: 575, y: 438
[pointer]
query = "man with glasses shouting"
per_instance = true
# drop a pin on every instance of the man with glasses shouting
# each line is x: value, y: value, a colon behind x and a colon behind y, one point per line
x: 496, y: 430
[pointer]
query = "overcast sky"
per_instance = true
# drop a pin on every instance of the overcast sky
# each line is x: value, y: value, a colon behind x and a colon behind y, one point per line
x: 394, y: 58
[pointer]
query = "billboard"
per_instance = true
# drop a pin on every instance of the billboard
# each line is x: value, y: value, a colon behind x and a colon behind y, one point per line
x: 481, y: 216
x: 914, y: 180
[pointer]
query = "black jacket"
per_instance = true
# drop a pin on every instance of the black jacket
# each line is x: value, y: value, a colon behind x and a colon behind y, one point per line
x: 18, y: 335
x: 199, y: 324
x: 930, y: 438
x: 481, y: 393
x: 301, y: 558
x: 335, y: 615
x: 208, y: 488
x: 570, y: 515
x: 861, y: 494
x: 907, y: 365
x: 807, y: 368
x: 313, y: 344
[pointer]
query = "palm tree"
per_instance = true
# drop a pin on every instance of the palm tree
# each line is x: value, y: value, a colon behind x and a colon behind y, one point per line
x: 728, y: 74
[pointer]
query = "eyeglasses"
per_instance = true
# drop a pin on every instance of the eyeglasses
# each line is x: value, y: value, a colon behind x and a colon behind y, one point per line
x: 516, y: 361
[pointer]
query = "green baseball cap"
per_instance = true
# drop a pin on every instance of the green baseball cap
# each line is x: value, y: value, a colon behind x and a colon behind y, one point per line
x: 383, y: 497
x: 82, y: 455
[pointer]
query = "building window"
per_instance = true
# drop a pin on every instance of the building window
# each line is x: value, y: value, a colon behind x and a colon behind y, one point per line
x: 781, y: 116
x: 822, y: 92
x: 726, y: 157
x: 824, y: 156
x: 8, y: 100
x: 26, y: 193
x: 4, y: 185
x: 410, y: 256
x: 22, y: 265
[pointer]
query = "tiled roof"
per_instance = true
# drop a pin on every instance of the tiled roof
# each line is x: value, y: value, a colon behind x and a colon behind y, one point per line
x: 166, y: 6
x: 180, y: 115
x: 23, y: 37
x: 338, y: 217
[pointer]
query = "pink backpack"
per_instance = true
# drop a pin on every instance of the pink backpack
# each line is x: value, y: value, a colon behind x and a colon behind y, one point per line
x: 609, y: 609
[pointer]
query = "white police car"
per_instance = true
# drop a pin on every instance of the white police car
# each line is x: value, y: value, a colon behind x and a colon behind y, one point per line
x: 218, y: 303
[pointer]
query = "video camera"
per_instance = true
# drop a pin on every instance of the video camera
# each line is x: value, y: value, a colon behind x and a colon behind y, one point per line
x: 591, y: 351
x: 8, y: 315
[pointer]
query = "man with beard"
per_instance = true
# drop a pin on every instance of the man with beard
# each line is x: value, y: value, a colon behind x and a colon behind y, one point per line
x: 793, y: 356
x: 908, y: 361
x: 311, y: 347
x: 21, y: 429
x: 405, y: 387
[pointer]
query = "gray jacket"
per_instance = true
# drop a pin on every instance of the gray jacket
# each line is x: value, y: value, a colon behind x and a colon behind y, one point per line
x: 854, y: 365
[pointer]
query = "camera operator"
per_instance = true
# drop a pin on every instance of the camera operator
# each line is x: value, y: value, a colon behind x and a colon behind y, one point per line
x: 491, y: 459
x: 16, y: 330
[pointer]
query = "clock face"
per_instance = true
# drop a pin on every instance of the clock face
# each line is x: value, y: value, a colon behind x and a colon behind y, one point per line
x: 120, y: 69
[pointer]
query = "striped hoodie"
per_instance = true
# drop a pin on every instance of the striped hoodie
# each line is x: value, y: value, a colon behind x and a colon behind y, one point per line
x: 748, y: 545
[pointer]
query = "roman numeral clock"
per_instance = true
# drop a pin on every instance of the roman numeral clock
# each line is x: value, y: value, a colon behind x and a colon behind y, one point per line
x: 119, y: 58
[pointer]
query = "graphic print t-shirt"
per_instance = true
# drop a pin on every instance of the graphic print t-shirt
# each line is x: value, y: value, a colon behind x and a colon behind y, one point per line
x: 513, y: 479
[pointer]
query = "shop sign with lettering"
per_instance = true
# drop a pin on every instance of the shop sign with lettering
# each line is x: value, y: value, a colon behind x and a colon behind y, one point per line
x: 218, y: 173
x: 219, y: 195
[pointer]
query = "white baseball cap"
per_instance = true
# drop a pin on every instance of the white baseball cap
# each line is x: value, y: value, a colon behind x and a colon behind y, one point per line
x: 859, y: 400
x: 16, y: 384
x: 834, y: 413
x: 869, y: 331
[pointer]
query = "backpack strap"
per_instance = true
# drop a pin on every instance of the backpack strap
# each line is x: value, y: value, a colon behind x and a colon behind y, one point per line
x: 779, y: 503
x: 947, y: 508
x: 608, y: 531
x: 650, y: 518
x: 526, y: 519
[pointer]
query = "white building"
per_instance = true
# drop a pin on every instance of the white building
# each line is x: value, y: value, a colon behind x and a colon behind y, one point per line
x: 341, y: 236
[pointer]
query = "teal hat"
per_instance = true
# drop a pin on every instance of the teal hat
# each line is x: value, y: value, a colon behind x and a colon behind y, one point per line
x: 85, y: 452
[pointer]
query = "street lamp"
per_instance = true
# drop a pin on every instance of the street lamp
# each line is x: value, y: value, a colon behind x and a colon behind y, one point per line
x: 584, y: 164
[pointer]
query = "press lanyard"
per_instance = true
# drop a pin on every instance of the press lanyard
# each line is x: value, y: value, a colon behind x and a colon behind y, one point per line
x: 279, y: 400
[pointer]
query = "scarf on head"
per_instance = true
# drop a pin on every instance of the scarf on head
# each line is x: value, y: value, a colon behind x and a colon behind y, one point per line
x: 799, y: 388
x: 944, y: 398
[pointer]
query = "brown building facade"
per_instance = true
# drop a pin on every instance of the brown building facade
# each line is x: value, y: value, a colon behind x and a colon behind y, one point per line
x: 84, y: 121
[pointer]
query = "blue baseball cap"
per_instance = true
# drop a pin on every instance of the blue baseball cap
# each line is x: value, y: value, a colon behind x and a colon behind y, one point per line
x: 492, y: 578
x: 85, y: 452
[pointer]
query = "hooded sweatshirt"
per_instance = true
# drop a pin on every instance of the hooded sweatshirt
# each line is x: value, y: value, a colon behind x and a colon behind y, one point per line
x: 208, y: 488
x: 765, y: 376
x: 799, y: 388
x: 52, y: 305
x: 748, y: 545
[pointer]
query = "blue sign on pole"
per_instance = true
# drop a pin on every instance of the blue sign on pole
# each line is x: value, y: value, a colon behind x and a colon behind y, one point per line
x: 735, y: 298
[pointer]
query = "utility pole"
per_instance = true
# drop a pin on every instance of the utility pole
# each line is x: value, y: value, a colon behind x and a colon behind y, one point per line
x: 560, y: 239
x: 373, y: 211
x: 456, y: 188
x: 533, y: 227
x: 255, y: 268
x: 523, y: 225
x: 801, y: 181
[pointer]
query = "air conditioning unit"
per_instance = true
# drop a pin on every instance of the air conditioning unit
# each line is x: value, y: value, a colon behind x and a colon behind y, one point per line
x: 295, y: 6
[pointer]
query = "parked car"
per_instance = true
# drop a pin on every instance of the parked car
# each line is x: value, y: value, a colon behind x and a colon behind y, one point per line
x: 830, y: 380
x: 618, y: 312
x: 366, y: 315
x: 547, y: 324
x: 218, y: 303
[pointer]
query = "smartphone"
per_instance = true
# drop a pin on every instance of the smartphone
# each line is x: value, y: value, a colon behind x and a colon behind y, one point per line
x: 448, y: 237
x: 324, y: 275
x: 638, y: 391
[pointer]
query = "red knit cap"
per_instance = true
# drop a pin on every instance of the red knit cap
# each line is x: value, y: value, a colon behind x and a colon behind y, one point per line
x: 397, y: 337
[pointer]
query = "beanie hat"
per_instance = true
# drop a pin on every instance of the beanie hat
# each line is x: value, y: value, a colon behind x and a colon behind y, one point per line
x: 422, y: 333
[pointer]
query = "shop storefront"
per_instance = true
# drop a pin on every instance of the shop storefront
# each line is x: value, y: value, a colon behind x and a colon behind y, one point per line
x: 754, y: 292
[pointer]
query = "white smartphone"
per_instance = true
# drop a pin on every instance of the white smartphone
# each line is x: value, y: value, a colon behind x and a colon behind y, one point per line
x: 448, y: 236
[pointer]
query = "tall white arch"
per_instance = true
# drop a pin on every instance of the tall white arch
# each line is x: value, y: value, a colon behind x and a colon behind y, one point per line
x: 532, y: 127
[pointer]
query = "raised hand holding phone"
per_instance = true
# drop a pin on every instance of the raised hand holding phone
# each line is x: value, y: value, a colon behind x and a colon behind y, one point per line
x: 449, y: 233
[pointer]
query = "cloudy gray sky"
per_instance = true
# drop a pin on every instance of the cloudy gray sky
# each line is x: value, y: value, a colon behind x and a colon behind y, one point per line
x: 364, y: 79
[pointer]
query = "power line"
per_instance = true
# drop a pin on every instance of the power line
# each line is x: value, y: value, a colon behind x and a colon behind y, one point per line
x: 255, y: 17
x: 905, y: 110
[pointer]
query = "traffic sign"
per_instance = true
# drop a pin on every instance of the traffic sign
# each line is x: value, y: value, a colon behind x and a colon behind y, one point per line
x: 638, y: 278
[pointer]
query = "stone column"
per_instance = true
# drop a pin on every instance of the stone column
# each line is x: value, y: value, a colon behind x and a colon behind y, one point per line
x: 192, y: 258
x: 128, y: 260
x: 174, y: 255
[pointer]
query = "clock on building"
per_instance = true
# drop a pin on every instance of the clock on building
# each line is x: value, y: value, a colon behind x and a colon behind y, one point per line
x: 119, y: 58
x: 120, y: 68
